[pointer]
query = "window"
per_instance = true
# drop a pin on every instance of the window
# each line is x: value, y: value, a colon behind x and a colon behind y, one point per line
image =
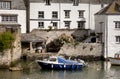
x: 55, y: 25
x: 67, y: 13
x: 41, y: 14
x: 75, y: 2
x: 67, y: 24
x: 117, y: 24
x: 40, y: 24
x: 5, y: 5
x: 9, y: 18
x: 117, y: 7
x: 117, y: 39
x: 47, y: 2
x: 81, y: 24
x: 54, y: 14
x: 81, y: 13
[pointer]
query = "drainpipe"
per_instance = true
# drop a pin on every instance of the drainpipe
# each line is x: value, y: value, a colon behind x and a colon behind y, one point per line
x: 89, y: 17
x: 106, y: 39
x: 59, y: 14
x: 27, y: 4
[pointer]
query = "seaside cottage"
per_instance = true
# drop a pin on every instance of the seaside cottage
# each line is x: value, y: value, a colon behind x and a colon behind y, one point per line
x: 64, y: 14
x: 12, y: 19
x: 107, y: 26
x: 13, y: 13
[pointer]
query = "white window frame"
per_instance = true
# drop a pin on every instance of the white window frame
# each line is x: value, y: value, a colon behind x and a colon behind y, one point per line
x: 55, y: 24
x: 40, y: 24
x: 5, y: 5
x: 9, y: 18
x: 40, y: 14
x: 67, y: 13
x: 117, y: 39
x: 81, y: 13
x: 54, y: 14
x: 75, y: 2
x: 117, y: 24
x: 67, y: 24
x: 47, y: 2
x: 81, y: 24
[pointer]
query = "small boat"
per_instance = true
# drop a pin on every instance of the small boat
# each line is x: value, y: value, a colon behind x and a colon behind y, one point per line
x: 116, y: 59
x: 60, y: 63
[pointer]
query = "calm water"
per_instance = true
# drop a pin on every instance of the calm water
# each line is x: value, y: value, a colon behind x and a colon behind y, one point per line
x: 95, y: 70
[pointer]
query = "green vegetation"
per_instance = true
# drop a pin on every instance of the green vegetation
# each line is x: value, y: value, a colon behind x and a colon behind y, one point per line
x: 50, y: 28
x: 63, y: 38
x: 6, y: 40
x: 56, y: 44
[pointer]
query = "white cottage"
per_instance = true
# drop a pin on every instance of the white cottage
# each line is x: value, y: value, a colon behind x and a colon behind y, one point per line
x: 13, y: 13
x: 63, y: 14
x: 107, y: 26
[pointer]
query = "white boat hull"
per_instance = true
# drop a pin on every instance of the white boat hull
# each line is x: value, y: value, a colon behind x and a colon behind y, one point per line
x: 115, y: 61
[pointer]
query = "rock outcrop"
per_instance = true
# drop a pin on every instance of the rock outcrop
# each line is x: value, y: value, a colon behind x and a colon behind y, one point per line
x: 12, y: 54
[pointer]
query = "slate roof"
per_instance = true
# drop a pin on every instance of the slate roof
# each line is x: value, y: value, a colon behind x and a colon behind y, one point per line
x: 70, y: 1
x: 17, y: 4
x: 112, y: 9
x: 31, y: 38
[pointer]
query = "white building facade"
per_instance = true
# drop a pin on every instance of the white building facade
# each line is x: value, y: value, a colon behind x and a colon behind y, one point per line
x: 12, y: 13
x: 62, y: 15
x: 107, y: 22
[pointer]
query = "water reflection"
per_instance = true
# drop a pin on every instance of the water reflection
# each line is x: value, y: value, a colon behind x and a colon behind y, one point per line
x: 95, y: 70
x: 107, y: 65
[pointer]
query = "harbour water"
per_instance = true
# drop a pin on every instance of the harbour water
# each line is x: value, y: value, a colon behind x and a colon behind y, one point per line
x: 95, y: 70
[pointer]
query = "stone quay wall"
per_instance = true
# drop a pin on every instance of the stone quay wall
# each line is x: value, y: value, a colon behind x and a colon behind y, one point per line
x: 13, y: 54
x: 86, y: 51
x: 55, y: 33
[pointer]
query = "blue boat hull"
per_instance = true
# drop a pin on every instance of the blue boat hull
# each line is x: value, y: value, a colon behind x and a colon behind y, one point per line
x: 60, y: 66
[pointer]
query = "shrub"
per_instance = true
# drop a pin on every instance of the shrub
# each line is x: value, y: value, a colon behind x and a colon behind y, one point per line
x: 56, y: 44
x: 6, y: 40
x: 63, y: 38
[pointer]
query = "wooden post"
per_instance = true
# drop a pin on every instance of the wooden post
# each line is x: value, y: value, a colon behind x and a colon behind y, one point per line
x: 31, y: 48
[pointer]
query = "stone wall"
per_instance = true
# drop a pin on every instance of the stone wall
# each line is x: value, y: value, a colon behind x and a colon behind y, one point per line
x: 53, y: 34
x: 12, y: 54
x: 83, y: 49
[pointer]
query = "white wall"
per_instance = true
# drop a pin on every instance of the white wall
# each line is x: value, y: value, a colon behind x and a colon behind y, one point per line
x: 35, y: 7
x: 21, y: 17
x: 98, y: 27
x: 89, y: 17
x: 113, y: 47
x: 94, y: 8
x: 74, y: 15
x: 102, y: 28
x: 109, y: 33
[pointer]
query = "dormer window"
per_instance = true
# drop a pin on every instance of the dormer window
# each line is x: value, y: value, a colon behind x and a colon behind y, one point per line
x: 5, y: 4
x: 47, y: 2
x: 117, y: 7
x: 75, y: 2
